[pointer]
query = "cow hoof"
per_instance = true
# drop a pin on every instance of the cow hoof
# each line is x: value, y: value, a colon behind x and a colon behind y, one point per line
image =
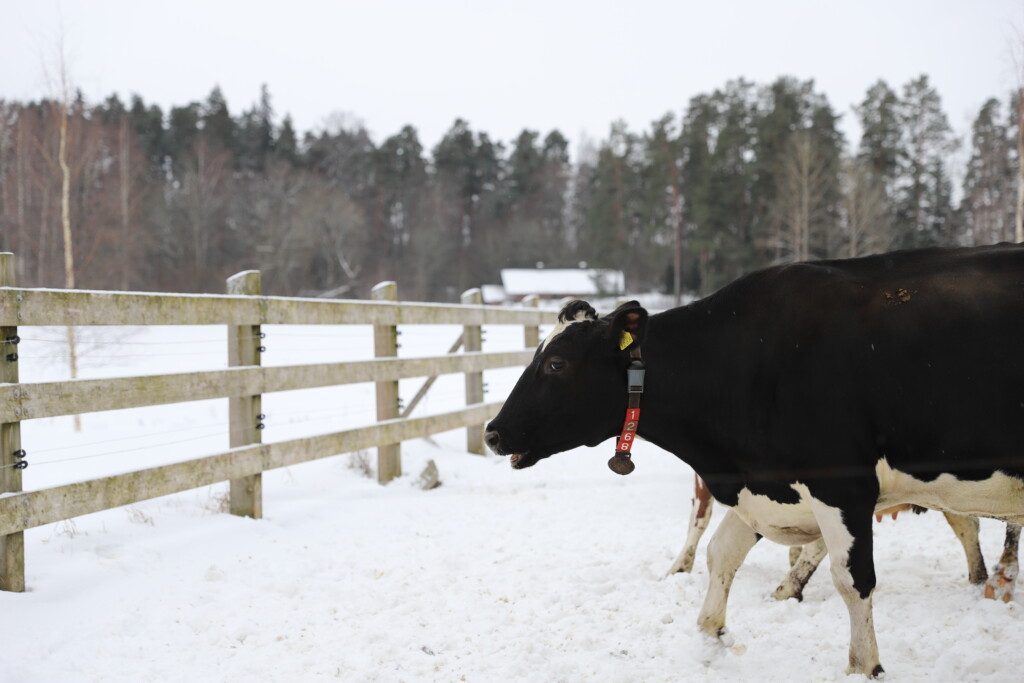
x: 784, y: 592
x: 877, y: 672
x: 684, y: 566
x: 713, y: 628
x: 1000, y: 585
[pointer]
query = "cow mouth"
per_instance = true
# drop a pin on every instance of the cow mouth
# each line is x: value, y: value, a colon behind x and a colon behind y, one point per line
x: 521, y: 461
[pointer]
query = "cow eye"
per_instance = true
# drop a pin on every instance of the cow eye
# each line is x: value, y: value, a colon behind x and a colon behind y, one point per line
x: 554, y: 365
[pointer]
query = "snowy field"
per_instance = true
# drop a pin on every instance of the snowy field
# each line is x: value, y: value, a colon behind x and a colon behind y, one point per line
x: 551, y: 574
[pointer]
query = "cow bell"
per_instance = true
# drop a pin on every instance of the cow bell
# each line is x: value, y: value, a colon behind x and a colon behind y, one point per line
x: 621, y: 463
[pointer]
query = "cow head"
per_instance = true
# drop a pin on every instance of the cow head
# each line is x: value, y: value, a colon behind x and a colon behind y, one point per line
x: 574, y: 391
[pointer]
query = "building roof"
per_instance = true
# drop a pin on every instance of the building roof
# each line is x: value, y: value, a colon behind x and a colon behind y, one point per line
x: 520, y: 282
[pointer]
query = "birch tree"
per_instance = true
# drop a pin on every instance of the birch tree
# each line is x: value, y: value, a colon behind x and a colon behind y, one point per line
x: 63, y: 104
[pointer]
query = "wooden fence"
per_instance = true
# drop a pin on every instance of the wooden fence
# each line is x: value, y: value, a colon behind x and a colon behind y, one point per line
x: 243, y: 310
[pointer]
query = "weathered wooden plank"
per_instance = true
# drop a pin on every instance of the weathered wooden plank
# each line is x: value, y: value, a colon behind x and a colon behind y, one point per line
x: 531, y: 333
x: 411, y: 406
x: 19, y: 511
x: 12, y: 546
x: 385, y: 345
x: 472, y: 336
x: 52, y: 399
x: 82, y: 307
x: 245, y: 496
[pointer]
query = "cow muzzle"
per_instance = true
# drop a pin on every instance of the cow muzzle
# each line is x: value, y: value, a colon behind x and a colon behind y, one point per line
x: 518, y: 460
x: 493, y: 440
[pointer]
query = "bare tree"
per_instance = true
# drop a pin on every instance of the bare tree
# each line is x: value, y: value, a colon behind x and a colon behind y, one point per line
x: 801, y: 211
x: 63, y: 103
x: 323, y: 244
x: 865, y: 209
x: 124, y: 167
x: 193, y: 234
x: 7, y: 121
x: 1016, y: 50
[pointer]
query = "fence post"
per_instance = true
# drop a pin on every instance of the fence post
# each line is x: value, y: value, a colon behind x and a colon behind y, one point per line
x: 472, y: 339
x: 245, y: 412
x: 531, y: 333
x: 385, y: 345
x: 12, y: 546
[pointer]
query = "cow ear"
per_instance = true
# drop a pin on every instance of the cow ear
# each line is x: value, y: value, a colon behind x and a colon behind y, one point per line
x: 628, y: 325
x: 577, y: 310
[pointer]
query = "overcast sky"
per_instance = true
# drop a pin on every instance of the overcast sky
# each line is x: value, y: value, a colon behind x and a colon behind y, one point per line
x: 575, y: 65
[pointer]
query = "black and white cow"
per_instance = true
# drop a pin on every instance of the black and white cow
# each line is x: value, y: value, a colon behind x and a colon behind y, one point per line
x: 807, y: 397
x: 804, y: 560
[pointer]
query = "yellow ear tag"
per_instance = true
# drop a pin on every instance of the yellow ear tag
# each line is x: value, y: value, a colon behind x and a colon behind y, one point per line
x: 625, y: 340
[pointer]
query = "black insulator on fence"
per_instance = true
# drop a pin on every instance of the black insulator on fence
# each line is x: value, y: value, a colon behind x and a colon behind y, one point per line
x: 13, y: 340
x: 12, y: 357
x: 21, y: 465
x: 20, y: 453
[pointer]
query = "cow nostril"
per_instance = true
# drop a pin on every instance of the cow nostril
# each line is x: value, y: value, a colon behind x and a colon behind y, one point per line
x: 491, y: 438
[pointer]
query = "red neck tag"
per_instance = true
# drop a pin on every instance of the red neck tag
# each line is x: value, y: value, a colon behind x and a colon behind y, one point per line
x: 628, y: 436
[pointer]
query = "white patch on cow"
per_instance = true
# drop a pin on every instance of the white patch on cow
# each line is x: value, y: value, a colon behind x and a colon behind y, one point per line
x: 838, y: 540
x: 999, y: 496
x: 729, y: 546
x: 561, y: 326
x: 785, y: 523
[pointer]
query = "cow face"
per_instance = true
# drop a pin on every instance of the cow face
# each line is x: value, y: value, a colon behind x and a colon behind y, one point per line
x: 574, y: 391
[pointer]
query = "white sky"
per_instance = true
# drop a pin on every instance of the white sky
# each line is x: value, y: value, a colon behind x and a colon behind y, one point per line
x: 573, y: 65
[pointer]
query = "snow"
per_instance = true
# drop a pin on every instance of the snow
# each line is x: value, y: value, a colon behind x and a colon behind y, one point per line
x: 555, y: 573
x: 562, y: 282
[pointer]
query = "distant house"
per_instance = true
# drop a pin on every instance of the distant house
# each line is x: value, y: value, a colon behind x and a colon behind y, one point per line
x: 493, y: 294
x: 559, y: 283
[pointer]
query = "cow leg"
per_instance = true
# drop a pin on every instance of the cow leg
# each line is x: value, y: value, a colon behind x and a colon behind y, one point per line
x: 728, y: 547
x: 847, y: 534
x: 700, y: 515
x: 1004, y: 575
x: 808, y: 559
x: 966, y: 530
x: 795, y: 551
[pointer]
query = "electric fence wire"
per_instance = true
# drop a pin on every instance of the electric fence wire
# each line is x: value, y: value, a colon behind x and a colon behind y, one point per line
x: 219, y: 429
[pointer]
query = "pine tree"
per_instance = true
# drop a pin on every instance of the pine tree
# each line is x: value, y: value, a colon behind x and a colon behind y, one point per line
x: 615, y: 214
x: 402, y: 182
x: 256, y: 133
x: 719, y: 137
x: 553, y: 184
x: 182, y: 131
x: 148, y: 125
x: 218, y: 126
x: 989, y: 190
x: 796, y: 192
x: 923, y: 193
x: 286, y: 145
x: 663, y: 200
x: 469, y: 171
x: 881, y: 142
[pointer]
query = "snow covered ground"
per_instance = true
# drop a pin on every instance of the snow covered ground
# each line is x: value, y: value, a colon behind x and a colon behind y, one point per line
x: 550, y: 574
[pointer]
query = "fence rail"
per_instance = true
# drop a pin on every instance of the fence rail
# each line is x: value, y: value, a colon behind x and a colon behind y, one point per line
x: 75, y: 397
x: 243, y: 311
x: 63, y: 307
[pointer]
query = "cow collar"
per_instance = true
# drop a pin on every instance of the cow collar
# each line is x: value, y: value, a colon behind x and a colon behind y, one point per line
x: 621, y: 463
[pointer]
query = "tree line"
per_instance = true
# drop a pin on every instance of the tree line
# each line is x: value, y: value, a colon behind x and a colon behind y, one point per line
x: 746, y: 176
